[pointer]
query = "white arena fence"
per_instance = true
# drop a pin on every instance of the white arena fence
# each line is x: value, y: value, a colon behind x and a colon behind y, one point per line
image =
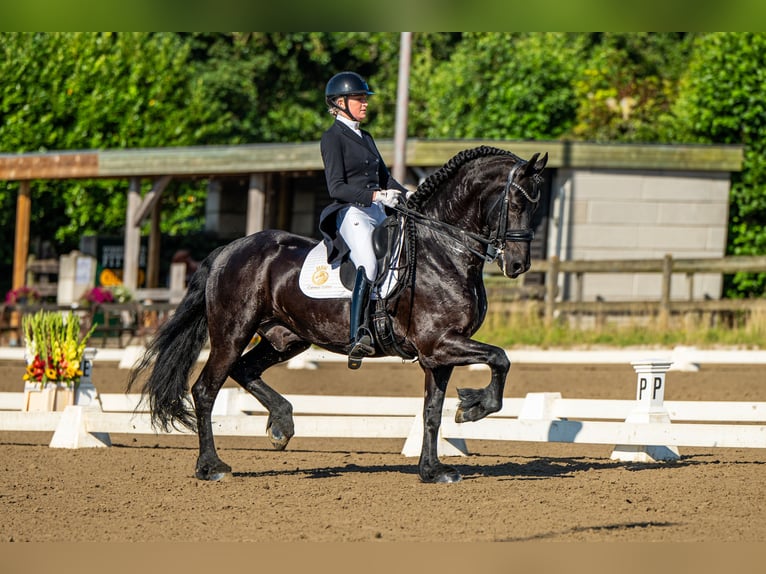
x: 646, y: 429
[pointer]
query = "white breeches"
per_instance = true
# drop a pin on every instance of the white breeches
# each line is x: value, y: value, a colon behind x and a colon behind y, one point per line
x: 356, y: 227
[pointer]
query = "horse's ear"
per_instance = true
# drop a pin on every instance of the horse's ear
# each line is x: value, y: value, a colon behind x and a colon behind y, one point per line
x: 541, y: 163
x: 530, y: 167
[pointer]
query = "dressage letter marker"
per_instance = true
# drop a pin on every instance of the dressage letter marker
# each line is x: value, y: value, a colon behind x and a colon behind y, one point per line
x: 650, y: 396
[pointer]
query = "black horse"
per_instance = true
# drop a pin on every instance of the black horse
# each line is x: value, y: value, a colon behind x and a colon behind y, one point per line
x: 478, y: 207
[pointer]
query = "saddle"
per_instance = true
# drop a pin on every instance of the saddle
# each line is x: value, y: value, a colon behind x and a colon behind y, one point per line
x: 385, y: 243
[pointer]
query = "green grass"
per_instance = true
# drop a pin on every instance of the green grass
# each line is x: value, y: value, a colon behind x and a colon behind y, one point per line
x: 526, y: 328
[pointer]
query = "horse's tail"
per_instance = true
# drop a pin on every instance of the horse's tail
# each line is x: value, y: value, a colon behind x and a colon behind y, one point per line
x: 171, y: 355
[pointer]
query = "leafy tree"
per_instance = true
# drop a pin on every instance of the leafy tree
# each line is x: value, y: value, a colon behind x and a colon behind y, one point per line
x: 271, y: 85
x: 628, y: 84
x: 722, y: 99
x: 504, y: 86
x: 75, y: 91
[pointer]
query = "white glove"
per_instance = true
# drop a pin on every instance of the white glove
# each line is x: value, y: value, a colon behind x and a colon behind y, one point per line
x: 388, y: 197
x: 409, y: 194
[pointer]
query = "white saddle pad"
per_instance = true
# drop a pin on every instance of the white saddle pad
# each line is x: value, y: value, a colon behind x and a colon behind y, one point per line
x: 320, y: 280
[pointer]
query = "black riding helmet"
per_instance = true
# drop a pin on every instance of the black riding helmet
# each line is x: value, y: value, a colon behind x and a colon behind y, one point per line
x: 343, y: 85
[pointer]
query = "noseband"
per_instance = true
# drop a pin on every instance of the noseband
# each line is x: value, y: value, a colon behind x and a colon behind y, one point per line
x: 495, y: 241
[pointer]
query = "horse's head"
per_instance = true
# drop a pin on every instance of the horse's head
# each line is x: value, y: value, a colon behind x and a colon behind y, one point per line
x: 486, y: 199
x: 510, y: 217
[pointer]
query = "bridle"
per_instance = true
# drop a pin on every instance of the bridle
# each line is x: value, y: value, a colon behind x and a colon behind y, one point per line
x: 494, y: 242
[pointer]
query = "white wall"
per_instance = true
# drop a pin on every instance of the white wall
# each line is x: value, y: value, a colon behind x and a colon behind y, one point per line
x: 616, y: 214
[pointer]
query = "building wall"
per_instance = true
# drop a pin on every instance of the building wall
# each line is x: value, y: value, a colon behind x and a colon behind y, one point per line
x: 628, y: 214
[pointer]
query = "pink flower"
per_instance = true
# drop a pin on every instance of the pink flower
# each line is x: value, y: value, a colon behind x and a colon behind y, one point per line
x: 23, y: 294
x: 98, y: 295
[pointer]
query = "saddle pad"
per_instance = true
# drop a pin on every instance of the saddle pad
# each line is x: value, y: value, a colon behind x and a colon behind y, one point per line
x: 320, y: 280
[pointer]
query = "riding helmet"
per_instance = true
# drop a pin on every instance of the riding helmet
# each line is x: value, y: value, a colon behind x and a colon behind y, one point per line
x: 346, y: 84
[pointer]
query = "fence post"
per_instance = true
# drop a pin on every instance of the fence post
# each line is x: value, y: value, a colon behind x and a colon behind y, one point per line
x: 667, y: 276
x: 551, y: 285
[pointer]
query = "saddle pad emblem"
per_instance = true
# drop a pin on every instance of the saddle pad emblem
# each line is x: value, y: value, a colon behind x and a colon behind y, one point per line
x: 320, y: 276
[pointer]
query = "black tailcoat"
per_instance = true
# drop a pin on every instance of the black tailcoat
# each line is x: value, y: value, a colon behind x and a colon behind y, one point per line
x: 354, y: 170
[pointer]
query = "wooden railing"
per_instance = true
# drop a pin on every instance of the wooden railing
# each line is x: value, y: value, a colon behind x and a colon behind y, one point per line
x: 117, y: 324
x: 663, y: 305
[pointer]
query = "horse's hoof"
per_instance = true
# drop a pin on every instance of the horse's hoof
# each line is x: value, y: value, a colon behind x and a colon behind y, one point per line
x: 444, y: 475
x: 470, y: 415
x: 213, y: 473
x: 278, y: 440
x: 214, y: 477
x: 474, y: 405
x: 277, y: 436
x: 448, y: 478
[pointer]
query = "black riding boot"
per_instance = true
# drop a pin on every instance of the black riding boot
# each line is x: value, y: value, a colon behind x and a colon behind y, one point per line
x: 361, y: 337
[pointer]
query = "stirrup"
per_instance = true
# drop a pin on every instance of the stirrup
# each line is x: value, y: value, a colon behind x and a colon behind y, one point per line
x: 361, y: 348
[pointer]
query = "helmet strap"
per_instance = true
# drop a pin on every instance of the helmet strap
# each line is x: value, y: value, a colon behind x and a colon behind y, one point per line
x: 345, y: 109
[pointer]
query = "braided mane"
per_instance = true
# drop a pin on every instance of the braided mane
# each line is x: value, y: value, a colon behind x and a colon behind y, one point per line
x: 434, y: 181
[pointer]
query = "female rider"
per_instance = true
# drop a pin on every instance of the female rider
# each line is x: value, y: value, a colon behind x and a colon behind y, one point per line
x: 361, y: 188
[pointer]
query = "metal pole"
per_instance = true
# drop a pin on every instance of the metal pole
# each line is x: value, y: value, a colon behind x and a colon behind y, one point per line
x: 402, y: 101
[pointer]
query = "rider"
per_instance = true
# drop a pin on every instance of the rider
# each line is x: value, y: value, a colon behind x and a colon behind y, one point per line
x: 362, y: 188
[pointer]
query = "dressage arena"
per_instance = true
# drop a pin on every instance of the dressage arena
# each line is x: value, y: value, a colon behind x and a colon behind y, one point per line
x: 142, y: 488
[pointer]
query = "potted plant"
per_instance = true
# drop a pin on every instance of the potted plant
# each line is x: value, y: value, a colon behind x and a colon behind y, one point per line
x: 22, y: 296
x: 54, y: 354
x: 96, y: 296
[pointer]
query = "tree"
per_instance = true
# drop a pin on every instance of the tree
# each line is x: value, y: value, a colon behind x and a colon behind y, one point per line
x: 627, y: 84
x: 722, y: 99
x: 69, y: 91
x: 502, y: 85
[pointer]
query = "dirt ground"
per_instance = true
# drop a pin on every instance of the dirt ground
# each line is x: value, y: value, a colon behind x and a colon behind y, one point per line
x: 142, y: 489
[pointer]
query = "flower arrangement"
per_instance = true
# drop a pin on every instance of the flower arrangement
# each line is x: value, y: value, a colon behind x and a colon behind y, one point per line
x: 54, y: 347
x: 22, y: 295
x: 97, y: 295
x: 121, y: 294
x: 113, y: 294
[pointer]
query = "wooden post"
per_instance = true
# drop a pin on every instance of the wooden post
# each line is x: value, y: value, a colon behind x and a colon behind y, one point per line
x: 21, y: 245
x: 132, y: 236
x: 551, y: 285
x: 155, y: 241
x: 667, y: 276
x: 256, y: 204
x: 579, y: 280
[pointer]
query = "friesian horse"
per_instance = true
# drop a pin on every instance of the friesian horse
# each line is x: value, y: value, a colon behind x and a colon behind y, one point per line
x: 477, y: 208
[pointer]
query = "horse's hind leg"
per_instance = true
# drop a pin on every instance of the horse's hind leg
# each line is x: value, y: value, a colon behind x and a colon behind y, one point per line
x: 247, y: 372
x: 205, y: 389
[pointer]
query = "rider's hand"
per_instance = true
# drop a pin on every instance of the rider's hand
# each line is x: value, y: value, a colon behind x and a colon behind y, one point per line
x: 388, y: 197
x: 408, y: 195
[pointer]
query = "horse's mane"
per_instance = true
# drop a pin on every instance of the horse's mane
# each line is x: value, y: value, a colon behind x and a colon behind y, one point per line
x: 434, y: 181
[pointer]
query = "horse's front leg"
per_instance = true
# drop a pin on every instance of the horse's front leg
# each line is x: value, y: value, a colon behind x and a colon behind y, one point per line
x: 430, y: 469
x: 475, y: 404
